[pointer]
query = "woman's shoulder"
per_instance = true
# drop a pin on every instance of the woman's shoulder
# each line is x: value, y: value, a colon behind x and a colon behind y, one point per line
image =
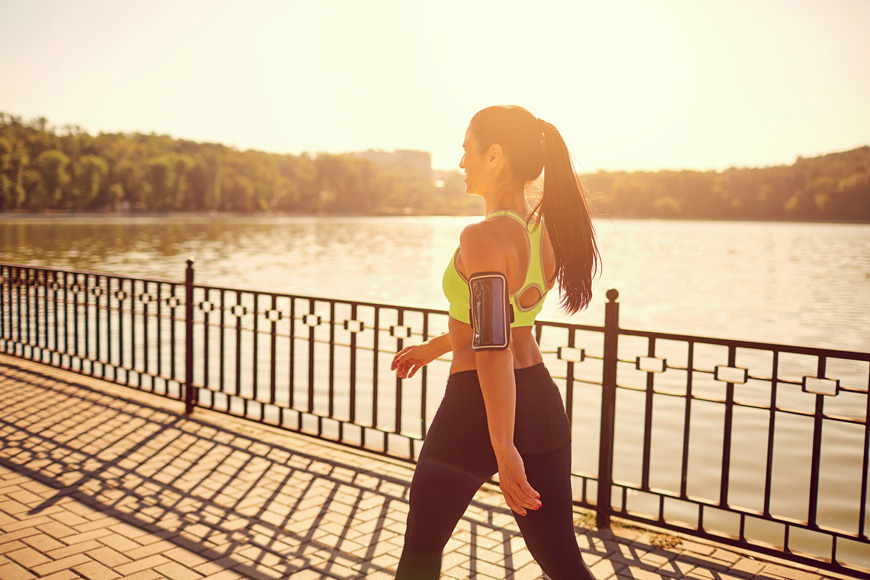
x: 482, y: 248
x: 489, y: 233
x: 501, y: 229
x: 492, y: 244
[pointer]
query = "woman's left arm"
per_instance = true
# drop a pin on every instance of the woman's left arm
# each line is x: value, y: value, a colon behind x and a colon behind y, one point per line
x: 483, y: 252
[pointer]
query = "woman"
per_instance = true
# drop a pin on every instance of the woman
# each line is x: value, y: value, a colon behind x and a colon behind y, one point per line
x: 501, y: 411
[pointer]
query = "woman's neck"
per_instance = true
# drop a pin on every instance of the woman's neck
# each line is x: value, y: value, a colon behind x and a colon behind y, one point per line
x: 513, y: 199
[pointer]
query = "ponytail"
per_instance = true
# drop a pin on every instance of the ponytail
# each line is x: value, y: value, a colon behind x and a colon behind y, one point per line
x: 531, y: 146
x: 569, y: 226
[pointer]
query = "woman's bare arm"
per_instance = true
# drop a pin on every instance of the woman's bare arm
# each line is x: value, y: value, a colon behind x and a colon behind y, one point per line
x: 483, y: 251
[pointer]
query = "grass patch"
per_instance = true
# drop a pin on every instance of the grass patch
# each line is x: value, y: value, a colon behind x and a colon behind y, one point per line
x: 585, y: 519
x: 664, y: 541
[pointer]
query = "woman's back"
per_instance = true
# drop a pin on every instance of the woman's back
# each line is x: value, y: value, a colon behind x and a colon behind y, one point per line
x: 511, y: 238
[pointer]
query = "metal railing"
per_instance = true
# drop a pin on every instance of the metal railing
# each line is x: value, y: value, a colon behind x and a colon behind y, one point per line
x: 762, y: 446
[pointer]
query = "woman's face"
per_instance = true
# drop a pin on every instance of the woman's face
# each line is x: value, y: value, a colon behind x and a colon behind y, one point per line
x: 474, y: 164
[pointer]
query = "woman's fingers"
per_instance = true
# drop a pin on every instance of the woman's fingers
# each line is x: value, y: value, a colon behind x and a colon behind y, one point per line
x: 406, y: 369
x: 398, y: 358
x: 406, y: 360
x: 519, y: 494
x: 528, y: 499
x: 519, y: 502
x: 404, y: 365
x: 529, y: 491
x: 511, y: 501
x: 410, y: 359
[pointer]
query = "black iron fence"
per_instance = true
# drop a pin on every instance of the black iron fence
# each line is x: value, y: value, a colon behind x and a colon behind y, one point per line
x: 763, y: 446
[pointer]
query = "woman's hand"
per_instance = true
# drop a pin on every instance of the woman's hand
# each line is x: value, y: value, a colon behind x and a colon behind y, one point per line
x: 410, y: 359
x: 517, y: 492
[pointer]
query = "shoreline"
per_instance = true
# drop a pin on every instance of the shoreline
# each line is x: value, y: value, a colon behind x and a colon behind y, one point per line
x: 200, y: 215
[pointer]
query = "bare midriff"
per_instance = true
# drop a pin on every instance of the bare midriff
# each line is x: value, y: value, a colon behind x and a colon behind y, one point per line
x: 523, y: 347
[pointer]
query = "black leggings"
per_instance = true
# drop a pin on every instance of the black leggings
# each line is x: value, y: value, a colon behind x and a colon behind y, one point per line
x: 457, y: 457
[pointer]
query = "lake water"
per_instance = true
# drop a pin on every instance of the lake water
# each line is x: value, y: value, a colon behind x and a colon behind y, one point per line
x: 793, y: 283
x: 801, y: 284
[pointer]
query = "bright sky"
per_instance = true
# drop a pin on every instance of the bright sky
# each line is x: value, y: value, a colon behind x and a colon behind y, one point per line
x: 632, y: 84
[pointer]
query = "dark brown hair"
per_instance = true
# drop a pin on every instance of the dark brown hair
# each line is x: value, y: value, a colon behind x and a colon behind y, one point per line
x: 532, y: 145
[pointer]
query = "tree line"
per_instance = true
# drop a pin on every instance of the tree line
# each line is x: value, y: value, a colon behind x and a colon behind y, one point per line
x: 832, y: 187
x: 44, y: 168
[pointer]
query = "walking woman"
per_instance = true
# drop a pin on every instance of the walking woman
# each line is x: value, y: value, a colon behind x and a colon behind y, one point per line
x: 501, y: 411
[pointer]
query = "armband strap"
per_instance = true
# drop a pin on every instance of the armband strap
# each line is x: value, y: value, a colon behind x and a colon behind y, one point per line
x: 490, y: 311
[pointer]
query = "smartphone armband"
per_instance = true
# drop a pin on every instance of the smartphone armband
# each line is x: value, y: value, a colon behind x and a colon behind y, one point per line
x: 490, y: 311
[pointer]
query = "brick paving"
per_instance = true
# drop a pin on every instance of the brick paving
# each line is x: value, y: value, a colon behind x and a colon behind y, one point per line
x: 99, y: 482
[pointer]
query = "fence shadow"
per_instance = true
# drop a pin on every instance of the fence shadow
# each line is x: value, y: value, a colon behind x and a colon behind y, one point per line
x: 257, y: 507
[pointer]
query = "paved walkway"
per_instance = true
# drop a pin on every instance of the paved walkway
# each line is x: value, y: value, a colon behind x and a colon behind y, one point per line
x: 99, y: 481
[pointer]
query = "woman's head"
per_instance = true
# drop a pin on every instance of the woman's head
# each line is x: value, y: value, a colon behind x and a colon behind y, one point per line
x: 510, y: 136
x: 517, y: 132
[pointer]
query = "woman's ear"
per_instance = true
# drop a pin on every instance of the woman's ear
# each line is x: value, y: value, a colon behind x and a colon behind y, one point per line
x: 494, y: 155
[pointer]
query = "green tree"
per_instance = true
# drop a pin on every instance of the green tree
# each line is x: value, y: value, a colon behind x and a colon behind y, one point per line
x: 300, y: 176
x: 823, y: 190
x: 52, y: 179
x: 852, y: 200
x: 158, y: 191
x: 86, y: 179
x: 6, y: 149
x: 239, y: 192
x: 115, y: 196
x: 667, y: 206
x: 131, y: 177
x: 213, y: 184
x: 181, y: 166
x: 629, y: 194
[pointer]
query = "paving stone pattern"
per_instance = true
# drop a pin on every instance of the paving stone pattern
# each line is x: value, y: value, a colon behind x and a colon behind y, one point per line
x: 99, y: 481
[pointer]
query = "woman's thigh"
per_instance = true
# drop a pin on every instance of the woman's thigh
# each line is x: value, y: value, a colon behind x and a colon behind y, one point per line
x: 458, y: 437
x: 541, y: 423
x: 455, y: 460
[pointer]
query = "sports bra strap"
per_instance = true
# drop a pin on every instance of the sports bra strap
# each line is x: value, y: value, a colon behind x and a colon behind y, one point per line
x: 508, y: 213
x: 535, y: 277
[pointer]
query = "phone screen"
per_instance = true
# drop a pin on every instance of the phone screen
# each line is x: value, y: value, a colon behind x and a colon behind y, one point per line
x: 488, y: 301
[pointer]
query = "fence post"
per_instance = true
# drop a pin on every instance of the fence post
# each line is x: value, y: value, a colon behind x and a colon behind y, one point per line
x: 608, y: 408
x: 190, y: 394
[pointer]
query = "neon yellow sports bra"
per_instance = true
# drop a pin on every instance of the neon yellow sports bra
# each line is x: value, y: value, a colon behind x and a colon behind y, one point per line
x: 455, y: 285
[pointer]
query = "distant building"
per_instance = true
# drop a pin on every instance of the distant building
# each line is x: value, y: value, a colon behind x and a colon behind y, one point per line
x: 401, y: 161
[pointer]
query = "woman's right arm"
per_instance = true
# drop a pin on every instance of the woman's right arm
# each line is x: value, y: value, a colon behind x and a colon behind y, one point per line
x: 410, y: 359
